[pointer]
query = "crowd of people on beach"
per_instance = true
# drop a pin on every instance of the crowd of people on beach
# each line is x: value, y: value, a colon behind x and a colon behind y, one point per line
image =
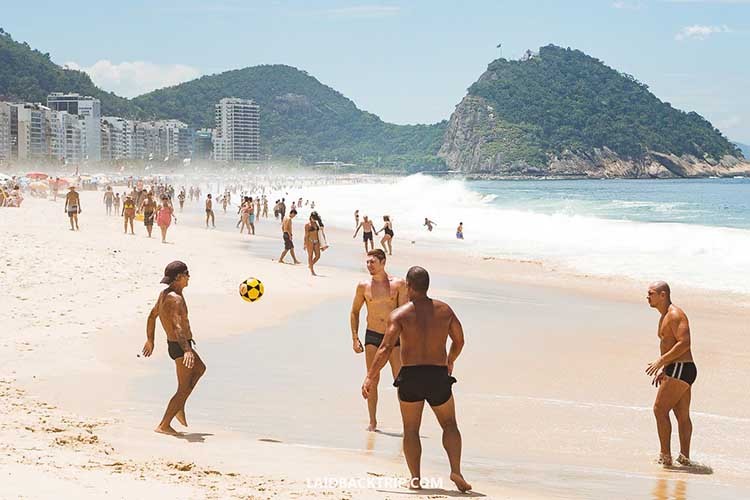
x: 419, y: 337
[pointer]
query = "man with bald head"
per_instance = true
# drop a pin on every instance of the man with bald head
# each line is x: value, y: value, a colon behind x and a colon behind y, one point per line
x: 423, y: 326
x: 673, y: 374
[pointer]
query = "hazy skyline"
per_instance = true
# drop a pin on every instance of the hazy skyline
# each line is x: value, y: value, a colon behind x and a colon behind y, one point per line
x: 407, y: 62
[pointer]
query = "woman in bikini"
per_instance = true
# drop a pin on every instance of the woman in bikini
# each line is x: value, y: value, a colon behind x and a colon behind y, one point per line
x: 312, y: 243
x: 128, y: 212
x: 388, y: 230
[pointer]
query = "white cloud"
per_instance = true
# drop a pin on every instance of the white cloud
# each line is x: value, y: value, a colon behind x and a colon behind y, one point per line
x: 366, y: 11
x: 699, y: 32
x: 130, y: 79
x: 626, y: 5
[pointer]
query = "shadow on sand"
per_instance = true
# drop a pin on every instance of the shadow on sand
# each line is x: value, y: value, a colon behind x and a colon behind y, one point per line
x: 193, y: 437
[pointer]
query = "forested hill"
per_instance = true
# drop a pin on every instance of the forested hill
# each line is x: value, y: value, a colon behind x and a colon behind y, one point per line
x: 29, y: 75
x: 527, y: 113
x: 301, y: 117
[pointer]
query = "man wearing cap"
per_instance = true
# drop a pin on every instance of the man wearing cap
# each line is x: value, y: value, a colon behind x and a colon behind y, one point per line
x: 73, y: 207
x: 171, y: 309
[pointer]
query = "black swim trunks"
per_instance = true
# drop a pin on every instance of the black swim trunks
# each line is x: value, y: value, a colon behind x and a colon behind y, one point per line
x: 288, y: 245
x: 424, y: 382
x: 684, y: 370
x: 175, y: 350
x: 148, y: 218
x: 375, y: 338
x: 367, y: 235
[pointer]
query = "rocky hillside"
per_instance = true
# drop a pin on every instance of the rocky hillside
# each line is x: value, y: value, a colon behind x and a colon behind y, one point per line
x: 563, y: 113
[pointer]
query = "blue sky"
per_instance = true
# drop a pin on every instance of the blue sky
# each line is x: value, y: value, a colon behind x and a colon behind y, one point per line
x: 408, y: 62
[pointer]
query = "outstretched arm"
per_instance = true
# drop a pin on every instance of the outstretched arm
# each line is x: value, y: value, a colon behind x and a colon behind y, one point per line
x: 355, y: 232
x: 392, y: 333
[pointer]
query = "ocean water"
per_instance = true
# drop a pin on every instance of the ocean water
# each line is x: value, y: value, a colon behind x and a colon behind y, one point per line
x: 690, y: 232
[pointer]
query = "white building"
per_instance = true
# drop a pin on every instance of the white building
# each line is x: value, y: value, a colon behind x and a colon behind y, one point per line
x: 68, y: 137
x: 30, y: 132
x: 118, y: 138
x: 5, y: 137
x: 237, y: 134
x: 89, y: 109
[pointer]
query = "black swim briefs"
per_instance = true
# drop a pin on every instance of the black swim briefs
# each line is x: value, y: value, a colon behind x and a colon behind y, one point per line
x: 175, y: 349
x: 424, y: 382
x: 375, y: 338
x: 367, y: 235
x: 683, y: 370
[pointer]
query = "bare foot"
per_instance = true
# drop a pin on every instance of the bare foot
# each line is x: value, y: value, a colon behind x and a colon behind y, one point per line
x: 167, y: 430
x: 372, y: 427
x: 665, y: 460
x: 297, y: 262
x: 181, y: 417
x: 683, y: 460
x: 461, y: 483
x: 415, y: 483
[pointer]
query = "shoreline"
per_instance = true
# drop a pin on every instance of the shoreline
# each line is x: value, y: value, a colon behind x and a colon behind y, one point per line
x: 80, y: 326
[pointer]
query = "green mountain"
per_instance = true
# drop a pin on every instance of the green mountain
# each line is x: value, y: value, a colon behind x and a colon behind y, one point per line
x: 301, y: 117
x: 561, y: 111
x: 29, y: 75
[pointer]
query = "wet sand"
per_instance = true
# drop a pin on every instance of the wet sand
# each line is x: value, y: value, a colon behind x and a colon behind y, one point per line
x: 553, y: 398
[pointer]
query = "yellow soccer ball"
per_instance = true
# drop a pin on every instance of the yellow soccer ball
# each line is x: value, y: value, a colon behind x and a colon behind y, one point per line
x: 251, y: 289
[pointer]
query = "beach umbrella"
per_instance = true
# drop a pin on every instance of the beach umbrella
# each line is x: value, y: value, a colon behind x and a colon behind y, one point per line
x: 37, y: 175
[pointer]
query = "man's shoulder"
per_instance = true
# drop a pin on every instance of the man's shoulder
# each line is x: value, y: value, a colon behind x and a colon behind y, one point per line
x: 676, y: 314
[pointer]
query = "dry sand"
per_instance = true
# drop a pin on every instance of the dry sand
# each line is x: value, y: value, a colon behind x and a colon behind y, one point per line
x: 73, y: 318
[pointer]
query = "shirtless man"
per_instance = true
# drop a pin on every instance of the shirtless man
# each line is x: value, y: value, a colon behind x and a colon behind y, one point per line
x: 73, y: 207
x: 148, y: 207
x: 382, y: 294
x: 673, y: 374
x: 429, y: 224
x: 171, y: 309
x: 423, y: 325
x: 109, y: 199
x: 210, y: 211
x: 367, y: 230
x: 286, y: 228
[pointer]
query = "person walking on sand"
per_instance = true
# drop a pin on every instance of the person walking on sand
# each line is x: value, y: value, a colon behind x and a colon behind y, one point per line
x: 381, y: 294
x: 460, y: 231
x: 128, y: 212
x: 423, y: 326
x: 73, y: 207
x: 429, y: 224
x: 55, y: 188
x: 312, y: 243
x: 181, y: 198
x: 117, y: 202
x: 149, y: 207
x: 286, y: 228
x: 388, y: 238
x: 673, y: 373
x: 164, y: 218
x: 109, y: 199
x: 210, y: 211
x: 367, y: 229
x: 171, y: 309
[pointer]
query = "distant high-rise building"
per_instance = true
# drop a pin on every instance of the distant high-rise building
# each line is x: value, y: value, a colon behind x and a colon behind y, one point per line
x: 4, y: 133
x: 236, y: 137
x: 68, y: 137
x: 32, y: 134
x: 203, y: 145
x: 118, y: 138
x: 87, y: 107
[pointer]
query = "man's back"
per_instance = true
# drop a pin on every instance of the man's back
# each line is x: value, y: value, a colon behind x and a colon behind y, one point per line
x: 425, y: 327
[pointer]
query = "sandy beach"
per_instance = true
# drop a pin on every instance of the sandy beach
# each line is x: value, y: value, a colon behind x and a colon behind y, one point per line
x: 552, y: 397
